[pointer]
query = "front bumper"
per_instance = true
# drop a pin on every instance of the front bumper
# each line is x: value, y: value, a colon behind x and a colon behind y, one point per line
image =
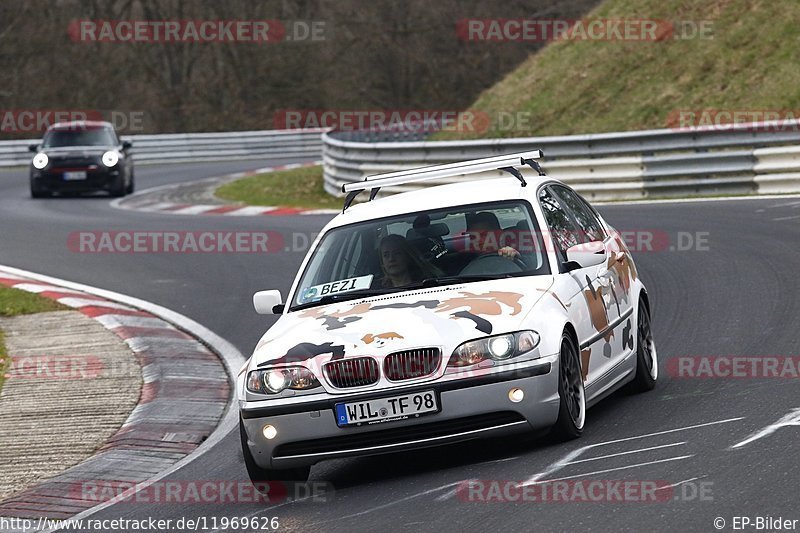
x: 97, y: 179
x: 470, y: 408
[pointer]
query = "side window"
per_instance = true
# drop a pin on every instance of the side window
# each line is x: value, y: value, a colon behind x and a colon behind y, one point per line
x: 559, y: 221
x: 589, y: 227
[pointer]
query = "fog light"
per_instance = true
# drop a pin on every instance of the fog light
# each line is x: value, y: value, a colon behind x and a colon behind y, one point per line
x: 269, y: 432
x: 515, y: 395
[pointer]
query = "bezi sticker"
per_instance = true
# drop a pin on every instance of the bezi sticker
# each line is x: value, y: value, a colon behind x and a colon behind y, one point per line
x: 337, y: 287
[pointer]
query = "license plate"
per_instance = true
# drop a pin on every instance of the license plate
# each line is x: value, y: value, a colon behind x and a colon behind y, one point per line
x: 72, y: 176
x: 386, y: 409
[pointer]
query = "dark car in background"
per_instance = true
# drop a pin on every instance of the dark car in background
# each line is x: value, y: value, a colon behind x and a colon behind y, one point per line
x: 82, y: 156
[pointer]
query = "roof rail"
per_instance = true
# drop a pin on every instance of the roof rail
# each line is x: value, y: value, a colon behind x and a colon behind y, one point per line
x: 508, y: 163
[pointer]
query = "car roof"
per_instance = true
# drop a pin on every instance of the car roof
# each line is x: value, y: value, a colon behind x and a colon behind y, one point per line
x: 430, y: 198
x: 80, y: 124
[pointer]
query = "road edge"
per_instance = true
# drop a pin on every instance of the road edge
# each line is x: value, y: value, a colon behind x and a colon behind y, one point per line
x: 228, y: 354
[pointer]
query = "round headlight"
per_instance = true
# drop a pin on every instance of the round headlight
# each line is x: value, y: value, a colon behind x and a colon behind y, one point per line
x: 40, y: 160
x: 110, y: 158
x: 276, y: 381
x: 501, y: 347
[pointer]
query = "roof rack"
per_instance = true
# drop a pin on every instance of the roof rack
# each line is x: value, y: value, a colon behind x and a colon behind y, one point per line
x: 506, y: 163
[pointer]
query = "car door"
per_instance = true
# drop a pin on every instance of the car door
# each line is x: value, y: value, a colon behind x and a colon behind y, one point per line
x: 578, y: 287
x: 614, y: 335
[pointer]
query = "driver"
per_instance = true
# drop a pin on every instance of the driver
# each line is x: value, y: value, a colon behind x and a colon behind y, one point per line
x: 401, y: 264
x: 479, y: 226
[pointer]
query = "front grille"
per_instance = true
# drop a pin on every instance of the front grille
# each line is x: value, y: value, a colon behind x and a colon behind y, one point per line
x: 72, y: 162
x: 411, y: 364
x: 349, y: 373
x: 398, y: 435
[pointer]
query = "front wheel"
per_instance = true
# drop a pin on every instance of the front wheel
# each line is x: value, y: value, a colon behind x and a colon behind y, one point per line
x: 131, y: 186
x: 260, y: 477
x: 572, y: 396
x: 646, y: 357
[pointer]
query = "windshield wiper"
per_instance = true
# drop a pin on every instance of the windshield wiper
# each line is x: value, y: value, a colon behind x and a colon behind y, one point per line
x: 452, y: 280
x: 344, y: 296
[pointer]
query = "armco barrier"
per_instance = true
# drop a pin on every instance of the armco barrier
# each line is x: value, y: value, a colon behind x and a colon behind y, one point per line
x: 186, y: 147
x: 739, y: 159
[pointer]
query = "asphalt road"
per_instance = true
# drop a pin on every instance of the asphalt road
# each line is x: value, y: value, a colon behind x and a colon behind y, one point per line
x: 734, y: 295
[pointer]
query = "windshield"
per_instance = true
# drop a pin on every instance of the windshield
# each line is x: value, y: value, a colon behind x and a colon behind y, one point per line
x: 80, y: 137
x: 453, y: 245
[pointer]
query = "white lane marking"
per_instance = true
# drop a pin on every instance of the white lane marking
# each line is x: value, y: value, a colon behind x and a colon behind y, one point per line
x: 112, y: 321
x: 86, y: 302
x: 667, y: 431
x: 609, y: 470
x: 370, y: 510
x: 558, y: 465
x: 790, y: 419
x: 38, y: 287
x: 230, y: 356
x: 624, y: 453
x: 195, y: 209
x: 385, y: 505
x: 251, y: 210
x: 779, y: 219
x: 679, y: 483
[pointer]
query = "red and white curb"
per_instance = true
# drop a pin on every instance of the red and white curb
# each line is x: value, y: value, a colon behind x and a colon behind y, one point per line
x: 149, y: 200
x: 185, y: 406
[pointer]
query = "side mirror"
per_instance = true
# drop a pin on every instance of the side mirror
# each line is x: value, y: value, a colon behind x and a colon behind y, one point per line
x: 268, y: 302
x: 586, y: 255
x: 33, y: 148
x: 127, y: 144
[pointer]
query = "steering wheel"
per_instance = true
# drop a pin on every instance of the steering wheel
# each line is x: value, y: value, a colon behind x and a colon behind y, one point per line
x: 483, y: 264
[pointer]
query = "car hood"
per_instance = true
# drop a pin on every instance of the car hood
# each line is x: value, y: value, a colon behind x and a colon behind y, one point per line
x: 442, y: 316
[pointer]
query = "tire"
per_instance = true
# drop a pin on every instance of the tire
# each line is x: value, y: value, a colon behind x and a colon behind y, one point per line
x: 37, y: 192
x: 118, y: 190
x: 646, y: 356
x: 572, y: 397
x: 130, y: 188
x: 261, y: 476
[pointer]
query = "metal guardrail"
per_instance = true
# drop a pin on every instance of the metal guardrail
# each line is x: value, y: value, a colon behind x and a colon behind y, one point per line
x: 740, y: 159
x: 188, y: 147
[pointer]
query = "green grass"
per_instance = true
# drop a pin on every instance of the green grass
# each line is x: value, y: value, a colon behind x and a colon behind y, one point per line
x: 592, y: 86
x: 299, y: 187
x: 15, y: 302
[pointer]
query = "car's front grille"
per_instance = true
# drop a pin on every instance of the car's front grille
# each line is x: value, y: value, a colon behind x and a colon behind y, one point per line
x: 72, y: 162
x: 349, y: 373
x: 401, y: 434
x: 411, y: 364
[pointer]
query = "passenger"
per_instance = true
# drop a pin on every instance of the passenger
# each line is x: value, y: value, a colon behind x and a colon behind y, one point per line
x: 483, y: 223
x: 401, y: 264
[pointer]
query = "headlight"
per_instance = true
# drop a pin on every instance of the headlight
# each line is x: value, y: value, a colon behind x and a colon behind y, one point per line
x: 40, y: 160
x: 497, y: 348
x: 277, y: 380
x: 110, y: 158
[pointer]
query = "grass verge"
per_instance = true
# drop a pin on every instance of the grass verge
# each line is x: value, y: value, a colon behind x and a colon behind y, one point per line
x: 297, y: 187
x: 748, y: 62
x: 15, y: 302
